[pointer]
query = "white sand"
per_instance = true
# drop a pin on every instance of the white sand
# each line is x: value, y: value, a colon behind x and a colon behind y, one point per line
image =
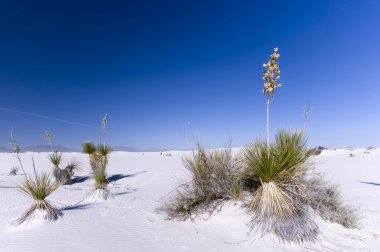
x: 128, y: 221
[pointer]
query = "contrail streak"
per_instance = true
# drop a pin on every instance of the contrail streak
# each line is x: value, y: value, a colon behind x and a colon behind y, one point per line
x: 46, y: 117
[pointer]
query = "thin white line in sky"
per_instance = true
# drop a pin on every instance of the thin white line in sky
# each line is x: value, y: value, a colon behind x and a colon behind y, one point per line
x: 46, y: 117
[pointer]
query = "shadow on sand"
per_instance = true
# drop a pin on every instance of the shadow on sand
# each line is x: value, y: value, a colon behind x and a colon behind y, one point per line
x: 79, y: 179
x: 370, y: 183
x: 117, y: 177
x: 75, y: 207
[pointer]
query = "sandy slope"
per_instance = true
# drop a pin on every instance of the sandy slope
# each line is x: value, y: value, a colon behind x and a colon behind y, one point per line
x: 128, y: 221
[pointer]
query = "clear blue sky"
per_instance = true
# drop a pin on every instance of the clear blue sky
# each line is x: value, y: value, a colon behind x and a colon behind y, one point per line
x: 165, y: 71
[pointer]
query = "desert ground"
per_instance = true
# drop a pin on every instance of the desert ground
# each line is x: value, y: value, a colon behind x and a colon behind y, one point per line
x: 140, y: 182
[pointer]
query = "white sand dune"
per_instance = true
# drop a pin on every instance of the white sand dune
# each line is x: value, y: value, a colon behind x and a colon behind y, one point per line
x: 129, y: 222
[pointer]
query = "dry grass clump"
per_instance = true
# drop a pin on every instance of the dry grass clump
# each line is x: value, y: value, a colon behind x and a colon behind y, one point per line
x: 215, y: 177
x: 39, y: 188
x: 274, y: 176
x: 328, y: 203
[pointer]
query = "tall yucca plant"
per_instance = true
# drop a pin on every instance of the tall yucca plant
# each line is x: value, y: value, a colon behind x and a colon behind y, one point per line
x: 90, y: 149
x: 277, y: 176
x: 39, y: 188
x: 271, y: 75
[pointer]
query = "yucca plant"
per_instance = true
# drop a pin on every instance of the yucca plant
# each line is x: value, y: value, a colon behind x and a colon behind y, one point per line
x: 39, y: 188
x: 100, y: 191
x: 275, y: 178
x: 71, y: 167
x: 14, y: 170
x: 90, y: 149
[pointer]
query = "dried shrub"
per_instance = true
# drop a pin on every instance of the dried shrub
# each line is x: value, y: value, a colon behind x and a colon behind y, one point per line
x: 215, y: 178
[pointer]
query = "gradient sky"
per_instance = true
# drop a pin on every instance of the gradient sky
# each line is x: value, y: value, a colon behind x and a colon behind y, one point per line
x: 168, y: 72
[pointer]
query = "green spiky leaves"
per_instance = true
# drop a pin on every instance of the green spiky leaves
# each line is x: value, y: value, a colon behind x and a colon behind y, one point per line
x: 40, y: 187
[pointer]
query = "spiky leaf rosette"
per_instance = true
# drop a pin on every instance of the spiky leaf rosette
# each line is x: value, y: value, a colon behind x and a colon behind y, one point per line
x: 276, y: 178
x: 88, y: 148
x: 39, y: 188
x: 55, y: 158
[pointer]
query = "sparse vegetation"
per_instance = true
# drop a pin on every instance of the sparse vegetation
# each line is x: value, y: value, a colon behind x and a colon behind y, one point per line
x: 62, y: 176
x: 98, y: 156
x: 214, y: 179
x: 39, y: 188
x: 271, y: 176
x: 14, y: 170
x: 327, y: 201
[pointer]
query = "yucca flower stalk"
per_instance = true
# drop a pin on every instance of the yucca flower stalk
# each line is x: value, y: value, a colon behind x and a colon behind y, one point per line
x: 17, y: 150
x: 39, y: 188
x: 104, y: 125
x: 271, y: 76
x: 49, y: 139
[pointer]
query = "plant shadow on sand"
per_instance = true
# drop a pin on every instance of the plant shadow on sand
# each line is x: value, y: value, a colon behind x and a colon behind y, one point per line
x: 117, y: 177
x: 79, y: 179
x: 369, y: 183
x: 75, y: 207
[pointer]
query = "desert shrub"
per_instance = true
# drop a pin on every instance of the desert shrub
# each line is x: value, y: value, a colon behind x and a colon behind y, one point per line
x: 275, y: 176
x: 326, y: 200
x: 318, y: 150
x: 14, y: 170
x: 39, y: 188
x: 215, y: 177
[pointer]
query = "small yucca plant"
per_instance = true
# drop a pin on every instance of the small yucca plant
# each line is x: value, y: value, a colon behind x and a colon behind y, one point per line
x: 275, y: 177
x: 39, y: 188
x: 14, y: 170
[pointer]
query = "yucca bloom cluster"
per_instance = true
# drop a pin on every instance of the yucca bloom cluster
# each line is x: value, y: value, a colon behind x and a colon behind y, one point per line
x: 272, y: 74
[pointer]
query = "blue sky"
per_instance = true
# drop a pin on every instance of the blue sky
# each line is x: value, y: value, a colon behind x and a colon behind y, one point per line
x: 167, y: 72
